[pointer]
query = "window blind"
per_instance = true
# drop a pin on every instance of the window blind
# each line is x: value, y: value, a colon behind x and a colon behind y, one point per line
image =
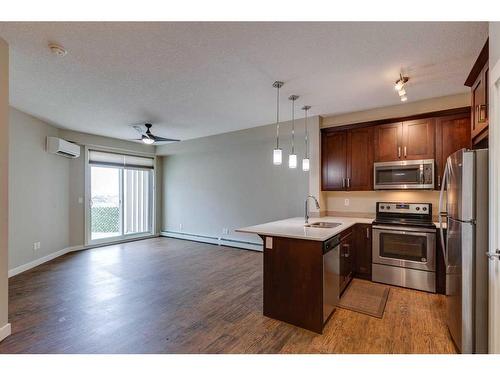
x: 120, y: 160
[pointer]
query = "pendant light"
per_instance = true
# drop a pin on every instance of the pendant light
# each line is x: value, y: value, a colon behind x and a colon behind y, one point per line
x: 277, y: 154
x: 292, y: 158
x: 305, y: 161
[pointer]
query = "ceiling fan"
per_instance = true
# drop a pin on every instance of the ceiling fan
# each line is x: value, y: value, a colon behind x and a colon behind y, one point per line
x: 149, y: 138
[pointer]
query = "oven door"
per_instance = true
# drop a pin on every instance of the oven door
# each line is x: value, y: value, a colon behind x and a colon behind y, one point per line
x: 405, y: 247
x: 411, y: 174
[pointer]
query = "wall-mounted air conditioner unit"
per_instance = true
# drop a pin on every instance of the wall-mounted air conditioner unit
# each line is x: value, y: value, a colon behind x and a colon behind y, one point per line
x: 61, y: 147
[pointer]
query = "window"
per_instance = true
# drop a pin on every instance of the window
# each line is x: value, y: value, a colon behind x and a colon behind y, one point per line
x: 121, y: 196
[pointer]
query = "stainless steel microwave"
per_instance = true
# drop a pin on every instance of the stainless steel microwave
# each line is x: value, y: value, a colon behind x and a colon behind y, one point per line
x: 402, y: 175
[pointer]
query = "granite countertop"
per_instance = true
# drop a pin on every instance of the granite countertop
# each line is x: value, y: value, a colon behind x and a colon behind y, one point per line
x: 294, y: 227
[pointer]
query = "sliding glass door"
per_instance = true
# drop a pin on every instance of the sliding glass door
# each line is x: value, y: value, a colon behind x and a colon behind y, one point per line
x: 105, y: 202
x: 120, y: 197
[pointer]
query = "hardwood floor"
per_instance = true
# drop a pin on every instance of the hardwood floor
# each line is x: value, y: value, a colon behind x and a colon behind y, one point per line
x: 172, y: 296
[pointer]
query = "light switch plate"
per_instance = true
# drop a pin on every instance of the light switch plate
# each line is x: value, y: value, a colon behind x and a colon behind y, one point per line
x: 346, y: 202
x: 269, y: 242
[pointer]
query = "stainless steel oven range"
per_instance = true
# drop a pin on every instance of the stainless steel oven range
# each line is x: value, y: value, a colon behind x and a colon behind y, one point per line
x: 404, y: 245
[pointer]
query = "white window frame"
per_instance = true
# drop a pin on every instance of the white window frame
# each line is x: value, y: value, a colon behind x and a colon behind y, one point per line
x: 87, y: 201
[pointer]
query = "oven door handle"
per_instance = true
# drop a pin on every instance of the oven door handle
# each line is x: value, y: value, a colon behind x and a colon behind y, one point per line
x: 410, y: 230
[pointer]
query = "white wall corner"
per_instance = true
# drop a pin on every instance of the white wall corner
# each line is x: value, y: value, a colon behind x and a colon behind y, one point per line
x: 5, y: 331
x: 315, y: 164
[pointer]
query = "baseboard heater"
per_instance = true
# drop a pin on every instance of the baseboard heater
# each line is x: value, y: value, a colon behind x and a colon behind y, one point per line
x: 221, y: 241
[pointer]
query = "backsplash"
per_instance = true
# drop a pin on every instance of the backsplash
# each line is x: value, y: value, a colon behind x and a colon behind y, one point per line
x: 364, y: 202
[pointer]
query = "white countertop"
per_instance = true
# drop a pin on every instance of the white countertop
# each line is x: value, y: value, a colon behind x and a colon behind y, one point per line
x: 294, y: 227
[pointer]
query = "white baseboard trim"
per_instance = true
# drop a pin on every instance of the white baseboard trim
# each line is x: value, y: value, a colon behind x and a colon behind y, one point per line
x: 5, y: 331
x: 25, y: 267
x: 221, y: 241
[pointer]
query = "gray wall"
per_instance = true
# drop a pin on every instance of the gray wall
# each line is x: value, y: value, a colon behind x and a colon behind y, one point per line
x: 4, y: 178
x: 45, y: 188
x: 229, y: 181
x: 39, y: 191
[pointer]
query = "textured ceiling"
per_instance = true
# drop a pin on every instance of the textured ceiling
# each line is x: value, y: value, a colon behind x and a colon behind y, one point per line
x: 198, y: 79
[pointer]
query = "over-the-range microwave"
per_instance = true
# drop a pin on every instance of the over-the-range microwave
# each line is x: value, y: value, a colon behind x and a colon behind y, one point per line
x: 406, y: 174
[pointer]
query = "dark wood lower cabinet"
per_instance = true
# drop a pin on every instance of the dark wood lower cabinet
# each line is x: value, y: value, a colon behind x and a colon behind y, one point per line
x: 346, y: 259
x: 294, y: 275
x: 362, y: 238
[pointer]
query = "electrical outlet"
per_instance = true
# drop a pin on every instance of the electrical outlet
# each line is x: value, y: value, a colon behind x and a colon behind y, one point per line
x: 225, y: 231
x: 180, y: 227
x: 80, y: 200
x: 346, y: 202
x: 36, y: 245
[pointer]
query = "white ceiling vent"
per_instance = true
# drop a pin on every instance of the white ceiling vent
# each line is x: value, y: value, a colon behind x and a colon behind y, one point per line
x: 61, y: 147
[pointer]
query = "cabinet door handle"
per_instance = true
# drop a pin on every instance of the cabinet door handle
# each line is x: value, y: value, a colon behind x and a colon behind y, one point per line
x: 343, y: 183
x: 348, y: 183
x: 439, y: 180
x: 405, y: 151
x: 399, y: 152
x: 367, y: 233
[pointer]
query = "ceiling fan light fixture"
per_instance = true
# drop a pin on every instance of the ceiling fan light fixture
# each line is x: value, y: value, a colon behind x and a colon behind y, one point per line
x: 147, y: 140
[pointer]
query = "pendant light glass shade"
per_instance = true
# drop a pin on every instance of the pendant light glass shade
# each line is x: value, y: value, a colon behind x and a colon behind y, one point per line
x: 277, y: 154
x: 292, y: 158
x: 305, y: 165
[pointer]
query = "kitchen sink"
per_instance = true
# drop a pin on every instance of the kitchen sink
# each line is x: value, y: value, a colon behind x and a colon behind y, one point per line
x: 323, y: 224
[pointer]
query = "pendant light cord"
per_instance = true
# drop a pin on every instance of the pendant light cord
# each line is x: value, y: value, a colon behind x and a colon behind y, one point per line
x: 278, y: 118
x: 307, y: 143
x: 293, y: 125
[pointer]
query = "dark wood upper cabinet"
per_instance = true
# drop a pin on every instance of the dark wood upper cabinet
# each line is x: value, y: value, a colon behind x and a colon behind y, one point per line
x: 387, y: 142
x: 348, y: 152
x: 360, y: 159
x: 344, y: 166
x: 418, y: 139
x: 478, y: 82
x: 452, y: 134
x: 408, y: 140
x: 334, y: 156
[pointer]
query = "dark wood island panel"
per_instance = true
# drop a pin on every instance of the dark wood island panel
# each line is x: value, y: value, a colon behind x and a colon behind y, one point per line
x: 293, y: 281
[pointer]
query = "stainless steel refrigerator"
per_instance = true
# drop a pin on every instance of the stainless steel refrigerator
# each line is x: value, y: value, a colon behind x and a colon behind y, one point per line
x: 465, y: 246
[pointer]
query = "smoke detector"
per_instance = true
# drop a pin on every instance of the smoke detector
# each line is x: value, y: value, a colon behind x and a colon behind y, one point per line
x: 57, y: 49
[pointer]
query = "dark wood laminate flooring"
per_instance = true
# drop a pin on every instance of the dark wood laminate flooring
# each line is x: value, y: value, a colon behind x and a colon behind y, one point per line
x: 171, y: 296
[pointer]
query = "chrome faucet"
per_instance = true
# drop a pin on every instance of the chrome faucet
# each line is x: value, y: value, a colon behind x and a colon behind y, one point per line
x: 307, y: 208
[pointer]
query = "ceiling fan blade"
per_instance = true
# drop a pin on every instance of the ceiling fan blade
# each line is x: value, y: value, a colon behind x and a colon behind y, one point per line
x: 161, y: 139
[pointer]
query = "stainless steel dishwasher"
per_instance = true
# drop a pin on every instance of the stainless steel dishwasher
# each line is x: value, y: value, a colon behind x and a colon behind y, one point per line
x: 331, y: 273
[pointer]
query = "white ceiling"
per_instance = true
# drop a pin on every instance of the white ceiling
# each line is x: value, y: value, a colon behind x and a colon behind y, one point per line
x: 198, y: 79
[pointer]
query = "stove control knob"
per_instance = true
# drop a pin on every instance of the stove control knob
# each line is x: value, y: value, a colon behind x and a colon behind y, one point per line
x: 417, y: 208
x: 425, y: 208
x: 388, y: 207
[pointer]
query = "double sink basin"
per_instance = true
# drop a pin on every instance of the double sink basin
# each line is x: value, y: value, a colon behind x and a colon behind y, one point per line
x: 323, y: 224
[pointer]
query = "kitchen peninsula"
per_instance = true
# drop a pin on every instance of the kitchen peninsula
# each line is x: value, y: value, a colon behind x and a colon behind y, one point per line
x: 306, y: 268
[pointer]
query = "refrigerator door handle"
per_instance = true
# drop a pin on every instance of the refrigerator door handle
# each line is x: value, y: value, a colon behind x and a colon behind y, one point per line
x: 440, y: 217
x: 493, y: 256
